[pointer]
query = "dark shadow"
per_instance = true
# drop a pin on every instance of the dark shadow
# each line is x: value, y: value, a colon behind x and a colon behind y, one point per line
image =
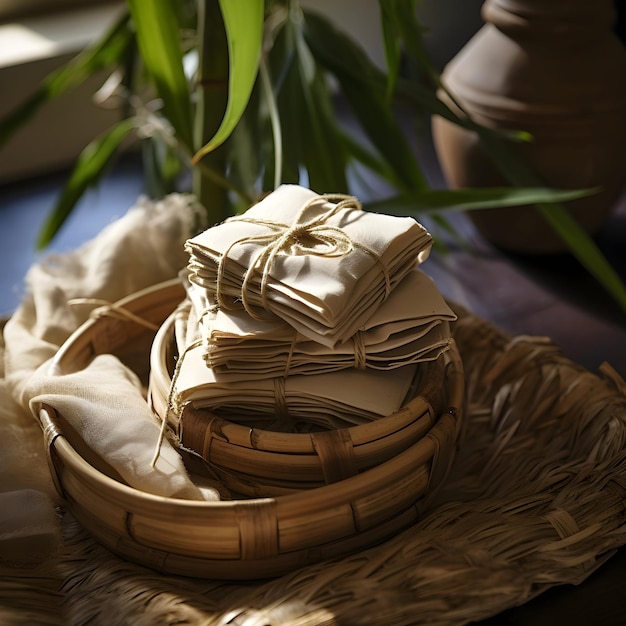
x: 597, y: 601
x: 569, y: 280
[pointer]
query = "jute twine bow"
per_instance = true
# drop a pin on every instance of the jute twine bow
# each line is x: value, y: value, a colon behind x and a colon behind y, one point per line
x: 302, y: 236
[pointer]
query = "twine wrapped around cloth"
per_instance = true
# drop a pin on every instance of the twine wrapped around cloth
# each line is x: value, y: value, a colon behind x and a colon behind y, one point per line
x: 309, y: 237
x: 331, y: 400
x: 324, y: 273
x: 411, y: 326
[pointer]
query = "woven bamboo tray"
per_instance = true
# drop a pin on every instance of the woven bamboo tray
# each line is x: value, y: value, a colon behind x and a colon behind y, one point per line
x: 258, y: 462
x: 246, y: 538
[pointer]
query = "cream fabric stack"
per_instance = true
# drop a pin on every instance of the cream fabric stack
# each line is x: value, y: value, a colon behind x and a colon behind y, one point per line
x: 307, y: 306
x: 322, y: 266
x: 405, y: 329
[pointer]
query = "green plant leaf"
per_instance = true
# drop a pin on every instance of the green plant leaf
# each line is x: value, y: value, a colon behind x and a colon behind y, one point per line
x: 427, y: 99
x: 87, y: 171
x: 282, y: 65
x: 158, y: 36
x: 437, y: 201
x: 161, y: 166
x: 364, y: 86
x: 390, y: 30
x: 243, y: 21
x: 321, y: 149
x: 324, y: 154
x: 109, y: 51
x: 369, y: 159
x: 311, y: 139
x: 411, y: 32
x: 274, y: 117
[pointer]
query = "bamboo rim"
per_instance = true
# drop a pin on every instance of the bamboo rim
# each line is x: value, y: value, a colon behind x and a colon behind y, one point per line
x: 250, y: 538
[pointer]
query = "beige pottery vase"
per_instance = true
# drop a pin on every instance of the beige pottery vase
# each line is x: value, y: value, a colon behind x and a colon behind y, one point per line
x: 553, y: 68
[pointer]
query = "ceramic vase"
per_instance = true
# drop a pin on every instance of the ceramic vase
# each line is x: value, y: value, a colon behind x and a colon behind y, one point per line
x: 555, y: 69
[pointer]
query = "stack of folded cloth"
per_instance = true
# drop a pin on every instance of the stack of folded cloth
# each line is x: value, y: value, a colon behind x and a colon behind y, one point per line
x: 307, y: 309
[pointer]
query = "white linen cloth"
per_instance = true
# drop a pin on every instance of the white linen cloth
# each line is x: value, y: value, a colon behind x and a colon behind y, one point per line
x: 322, y: 265
x: 411, y: 326
x: 104, y: 403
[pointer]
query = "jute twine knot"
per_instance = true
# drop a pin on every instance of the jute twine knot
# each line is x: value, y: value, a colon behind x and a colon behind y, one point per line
x: 312, y: 237
x: 360, y: 351
x: 104, y: 308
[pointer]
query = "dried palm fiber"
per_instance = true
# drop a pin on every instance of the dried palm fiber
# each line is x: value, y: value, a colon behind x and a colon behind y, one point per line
x: 258, y: 461
x: 249, y: 538
x: 524, y: 509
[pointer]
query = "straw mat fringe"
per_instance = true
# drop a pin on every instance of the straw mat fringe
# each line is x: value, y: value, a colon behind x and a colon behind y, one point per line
x: 536, y: 498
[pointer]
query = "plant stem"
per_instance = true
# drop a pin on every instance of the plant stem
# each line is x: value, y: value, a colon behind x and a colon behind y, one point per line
x: 211, y: 97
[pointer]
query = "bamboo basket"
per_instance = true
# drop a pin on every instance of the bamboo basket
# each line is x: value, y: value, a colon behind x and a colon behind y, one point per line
x: 245, y: 538
x: 255, y: 462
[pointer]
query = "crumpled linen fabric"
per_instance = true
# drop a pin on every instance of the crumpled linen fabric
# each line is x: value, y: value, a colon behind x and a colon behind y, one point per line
x: 126, y: 256
x: 105, y: 404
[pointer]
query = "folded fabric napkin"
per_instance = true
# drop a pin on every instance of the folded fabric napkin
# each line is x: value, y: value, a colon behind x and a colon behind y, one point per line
x: 411, y: 326
x: 320, y: 263
x: 333, y: 400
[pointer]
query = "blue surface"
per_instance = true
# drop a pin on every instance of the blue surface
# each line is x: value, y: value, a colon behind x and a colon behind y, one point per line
x: 25, y: 205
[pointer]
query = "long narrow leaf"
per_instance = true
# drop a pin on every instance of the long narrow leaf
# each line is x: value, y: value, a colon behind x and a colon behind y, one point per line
x: 365, y: 87
x: 391, y: 42
x: 409, y: 29
x: 243, y: 21
x: 369, y: 159
x: 272, y: 108
x: 87, y: 171
x: 437, y: 201
x: 323, y: 153
x: 106, y: 53
x: 283, y: 65
x: 156, y: 24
